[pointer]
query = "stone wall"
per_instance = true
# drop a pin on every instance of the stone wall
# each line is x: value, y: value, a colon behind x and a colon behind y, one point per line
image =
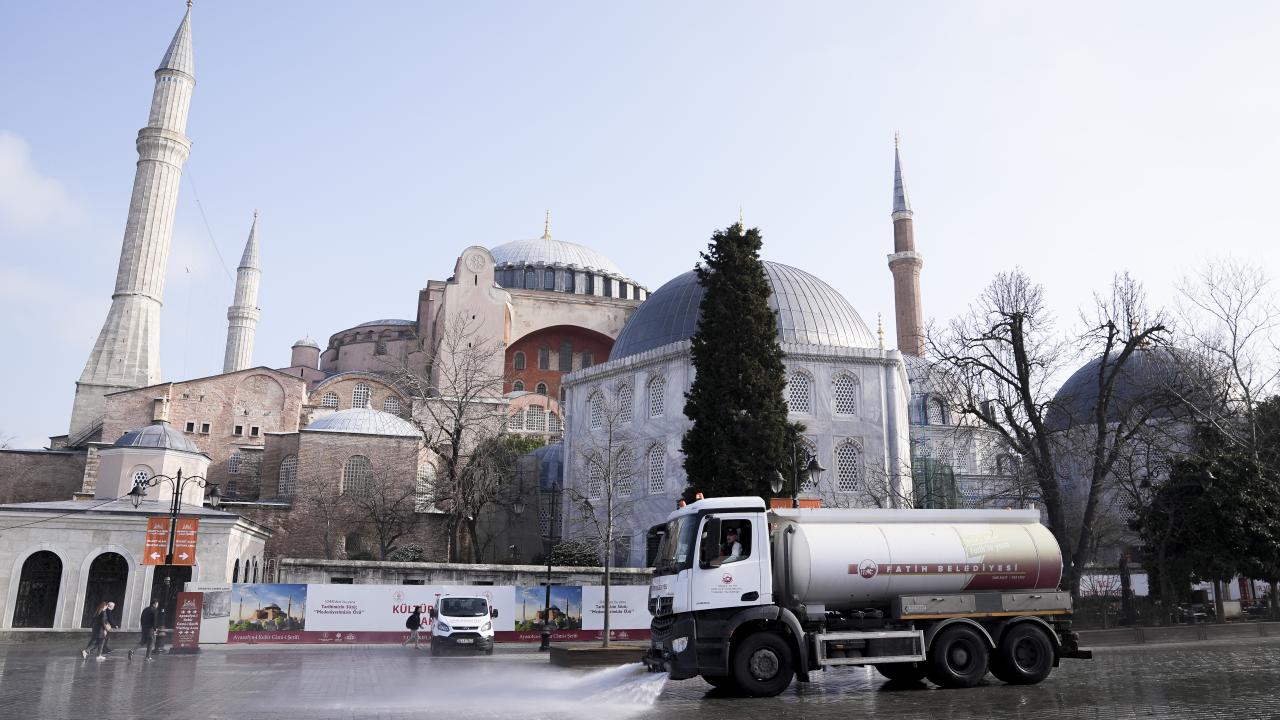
x: 40, y: 475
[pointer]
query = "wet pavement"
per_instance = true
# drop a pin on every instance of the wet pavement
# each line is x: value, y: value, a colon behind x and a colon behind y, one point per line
x: 1235, y: 679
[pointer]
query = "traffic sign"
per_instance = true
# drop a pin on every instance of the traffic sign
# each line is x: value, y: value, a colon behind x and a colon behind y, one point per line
x: 184, y: 541
x: 157, y: 542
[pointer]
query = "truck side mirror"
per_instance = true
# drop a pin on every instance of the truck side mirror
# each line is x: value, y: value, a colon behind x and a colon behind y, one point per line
x: 493, y: 612
x: 709, y: 549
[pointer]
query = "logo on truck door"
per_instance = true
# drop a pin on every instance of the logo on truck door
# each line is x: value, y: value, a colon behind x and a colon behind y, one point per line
x: 867, y: 569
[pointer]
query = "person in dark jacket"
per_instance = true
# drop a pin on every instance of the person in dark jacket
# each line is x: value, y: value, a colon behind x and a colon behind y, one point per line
x: 148, y: 622
x: 98, y: 630
x: 413, y: 623
x: 112, y: 624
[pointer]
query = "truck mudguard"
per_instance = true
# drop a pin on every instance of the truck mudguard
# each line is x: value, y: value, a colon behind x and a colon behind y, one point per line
x: 770, y: 612
x: 932, y: 631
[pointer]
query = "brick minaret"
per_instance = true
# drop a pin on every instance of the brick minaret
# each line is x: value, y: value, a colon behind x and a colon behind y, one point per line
x: 905, y: 264
x: 242, y: 316
x: 127, y: 352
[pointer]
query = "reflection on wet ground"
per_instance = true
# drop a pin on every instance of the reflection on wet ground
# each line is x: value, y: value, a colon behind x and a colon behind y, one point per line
x: 1204, y: 680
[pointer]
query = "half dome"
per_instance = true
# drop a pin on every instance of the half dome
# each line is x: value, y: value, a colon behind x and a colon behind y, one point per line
x: 809, y: 312
x: 364, y: 421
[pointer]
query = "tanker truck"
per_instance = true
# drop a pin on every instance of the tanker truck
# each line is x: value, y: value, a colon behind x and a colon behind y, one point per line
x: 748, y: 598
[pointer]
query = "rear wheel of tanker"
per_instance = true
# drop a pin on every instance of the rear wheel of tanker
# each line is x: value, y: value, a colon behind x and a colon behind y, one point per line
x: 727, y: 683
x: 902, y: 672
x: 1024, y: 657
x: 958, y: 658
x: 762, y: 665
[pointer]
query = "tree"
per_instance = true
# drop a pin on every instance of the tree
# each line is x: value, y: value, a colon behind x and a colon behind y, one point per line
x: 387, y: 505
x: 997, y: 364
x: 457, y: 386
x: 740, y: 435
x: 576, y: 553
x: 489, y: 479
x: 325, y: 515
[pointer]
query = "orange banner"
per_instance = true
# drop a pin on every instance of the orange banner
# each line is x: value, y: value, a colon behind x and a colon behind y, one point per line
x: 157, y: 542
x: 184, y: 541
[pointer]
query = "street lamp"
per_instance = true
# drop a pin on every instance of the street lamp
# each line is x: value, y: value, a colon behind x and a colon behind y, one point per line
x: 813, y: 470
x: 178, y: 483
x: 549, y: 498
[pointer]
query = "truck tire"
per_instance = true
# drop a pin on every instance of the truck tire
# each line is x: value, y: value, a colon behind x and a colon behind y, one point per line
x: 902, y: 671
x: 1024, y: 657
x: 762, y: 665
x: 958, y: 658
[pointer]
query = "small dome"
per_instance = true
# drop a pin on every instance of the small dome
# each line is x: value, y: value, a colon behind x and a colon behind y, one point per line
x: 157, y: 435
x: 546, y: 251
x: 364, y: 421
x: 307, y: 342
x: 810, y: 312
x: 1149, y: 375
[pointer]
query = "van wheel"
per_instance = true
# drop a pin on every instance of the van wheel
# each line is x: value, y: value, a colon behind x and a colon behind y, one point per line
x: 958, y: 658
x: 902, y: 671
x: 761, y: 666
x: 1025, y: 656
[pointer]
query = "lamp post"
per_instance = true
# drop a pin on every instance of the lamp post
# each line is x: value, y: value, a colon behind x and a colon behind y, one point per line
x: 813, y: 469
x: 178, y: 483
x: 550, y: 499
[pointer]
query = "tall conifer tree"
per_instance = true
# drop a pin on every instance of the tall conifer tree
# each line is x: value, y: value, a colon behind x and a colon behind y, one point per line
x: 740, y: 434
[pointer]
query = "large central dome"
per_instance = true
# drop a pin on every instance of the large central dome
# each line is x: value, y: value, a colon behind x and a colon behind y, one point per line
x: 810, y: 312
x: 546, y: 251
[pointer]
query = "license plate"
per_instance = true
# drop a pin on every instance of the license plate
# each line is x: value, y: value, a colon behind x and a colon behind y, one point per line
x: 465, y: 641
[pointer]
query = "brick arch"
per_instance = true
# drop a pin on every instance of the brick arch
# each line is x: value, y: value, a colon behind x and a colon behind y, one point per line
x: 552, y: 338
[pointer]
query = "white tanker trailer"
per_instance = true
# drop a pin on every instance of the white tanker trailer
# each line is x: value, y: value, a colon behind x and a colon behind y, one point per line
x: 748, y: 598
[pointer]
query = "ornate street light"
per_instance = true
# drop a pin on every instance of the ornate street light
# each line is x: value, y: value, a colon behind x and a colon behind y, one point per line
x: 813, y: 470
x: 549, y: 499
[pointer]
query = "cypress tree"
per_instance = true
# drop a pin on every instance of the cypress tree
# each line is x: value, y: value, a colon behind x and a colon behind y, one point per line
x: 740, y: 434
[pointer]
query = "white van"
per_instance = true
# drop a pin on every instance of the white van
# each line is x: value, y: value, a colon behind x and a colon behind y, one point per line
x: 462, y: 623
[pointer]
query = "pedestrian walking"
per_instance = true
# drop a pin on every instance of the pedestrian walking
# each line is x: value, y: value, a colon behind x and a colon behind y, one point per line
x: 413, y: 623
x: 112, y: 624
x: 148, y: 622
x: 98, y: 629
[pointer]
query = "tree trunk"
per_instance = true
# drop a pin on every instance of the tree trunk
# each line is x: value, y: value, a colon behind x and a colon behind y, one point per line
x: 1218, y: 596
x: 1275, y: 602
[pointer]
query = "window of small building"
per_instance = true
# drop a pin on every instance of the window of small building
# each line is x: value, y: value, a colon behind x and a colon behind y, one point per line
x: 544, y: 358
x: 391, y: 405
x: 255, y: 431
x: 380, y: 347
x: 596, y: 403
x: 191, y: 426
x: 330, y: 400
x: 233, y: 464
x: 517, y: 386
x: 553, y: 422
x: 517, y: 361
x: 356, y: 473
x: 360, y: 396
x: 140, y: 477
x: 204, y: 428
x: 565, y: 357
x: 288, y: 476
x: 541, y: 389
x: 936, y: 411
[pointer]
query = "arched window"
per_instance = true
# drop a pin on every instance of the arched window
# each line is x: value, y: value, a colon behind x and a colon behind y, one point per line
x: 140, y: 477
x: 549, y: 279
x: 107, y: 578
x: 657, y: 396
x: 541, y: 389
x: 848, y: 467
x: 530, y: 279
x: 360, y: 396
x: 809, y: 449
x: 235, y: 571
x: 596, y: 401
x: 37, y: 603
x: 553, y: 422
x: 544, y: 358
x: 356, y: 473
x: 657, y: 470
x: 625, y: 472
x: 845, y: 393
x: 255, y: 569
x: 595, y: 480
x: 625, y: 403
x: 391, y: 405
x: 515, y: 421
x: 517, y: 386
x: 425, y: 491
x: 517, y: 361
x: 535, y: 418
x: 330, y: 400
x: 936, y: 411
x: 588, y: 358
x: 800, y: 393
x: 288, y: 476
x: 564, y: 359
x: 233, y: 464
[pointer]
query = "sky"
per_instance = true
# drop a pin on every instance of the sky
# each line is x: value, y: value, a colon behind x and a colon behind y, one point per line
x: 378, y: 140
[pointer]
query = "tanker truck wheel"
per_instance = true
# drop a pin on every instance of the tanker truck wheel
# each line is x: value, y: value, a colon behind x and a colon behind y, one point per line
x: 762, y: 665
x: 958, y: 658
x: 902, y: 672
x: 1025, y: 656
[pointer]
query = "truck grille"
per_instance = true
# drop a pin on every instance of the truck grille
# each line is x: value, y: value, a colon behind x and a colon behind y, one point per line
x: 661, y: 629
x: 660, y: 606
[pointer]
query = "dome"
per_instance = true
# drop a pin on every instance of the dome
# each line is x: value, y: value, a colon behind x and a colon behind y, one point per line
x: 547, y: 251
x: 388, y: 321
x: 157, y: 435
x: 307, y: 342
x: 364, y: 421
x: 1150, y: 374
x: 810, y: 312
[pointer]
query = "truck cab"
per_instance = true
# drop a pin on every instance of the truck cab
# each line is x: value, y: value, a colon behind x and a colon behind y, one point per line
x: 462, y: 623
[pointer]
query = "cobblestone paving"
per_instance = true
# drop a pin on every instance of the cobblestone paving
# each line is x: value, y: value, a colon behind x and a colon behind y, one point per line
x: 1231, y: 679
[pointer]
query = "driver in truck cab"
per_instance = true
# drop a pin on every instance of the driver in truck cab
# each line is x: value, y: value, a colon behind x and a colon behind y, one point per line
x: 730, y: 549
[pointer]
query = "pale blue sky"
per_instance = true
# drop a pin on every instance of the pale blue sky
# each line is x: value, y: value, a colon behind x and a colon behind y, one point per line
x: 379, y: 139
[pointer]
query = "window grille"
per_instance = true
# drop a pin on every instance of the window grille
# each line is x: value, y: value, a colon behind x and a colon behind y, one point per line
x: 564, y: 360
x: 517, y: 386
x: 800, y: 393
x: 624, y: 469
x: 360, y: 396
x: 846, y: 395
x: 597, y: 411
x: 515, y: 421
x: 553, y: 422
x: 140, y: 477
x: 288, y: 476
x: 848, y: 468
x: 356, y: 474
x: 233, y: 463
x: 809, y: 449
x: 518, y: 361
x: 595, y: 481
x: 544, y: 358
x: 935, y: 409
x: 424, y: 490
x: 535, y: 418
x: 542, y: 388
x: 330, y: 400
x: 391, y: 405
x: 657, y: 471
x: 625, y: 403
x: 657, y: 396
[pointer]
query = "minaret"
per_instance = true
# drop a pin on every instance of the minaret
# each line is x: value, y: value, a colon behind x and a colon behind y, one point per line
x: 905, y: 264
x: 242, y: 316
x: 127, y: 352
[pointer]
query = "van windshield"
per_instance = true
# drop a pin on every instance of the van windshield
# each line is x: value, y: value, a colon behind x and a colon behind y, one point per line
x: 464, y: 607
x: 675, y: 553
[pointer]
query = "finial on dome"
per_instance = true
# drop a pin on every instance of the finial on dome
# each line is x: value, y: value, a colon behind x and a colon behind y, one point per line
x: 546, y: 227
x: 189, y: 3
x: 880, y: 328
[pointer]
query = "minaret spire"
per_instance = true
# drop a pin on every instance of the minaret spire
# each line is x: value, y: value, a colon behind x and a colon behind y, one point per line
x: 242, y: 316
x: 127, y: 352
x: 905, y: 264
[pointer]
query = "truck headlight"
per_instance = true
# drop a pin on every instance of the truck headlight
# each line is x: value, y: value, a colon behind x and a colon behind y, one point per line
x: 440, y: 626
x: 486, y: 627
x: 679, y: 644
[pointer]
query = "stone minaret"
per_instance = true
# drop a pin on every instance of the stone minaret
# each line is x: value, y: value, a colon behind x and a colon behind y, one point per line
x: 127, y: 352
x: 242, y: 316
x: 905, y: 264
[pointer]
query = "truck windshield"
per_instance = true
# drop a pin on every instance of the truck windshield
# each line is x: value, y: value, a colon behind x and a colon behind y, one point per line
x: 676, y: 551
x: 464, y: 607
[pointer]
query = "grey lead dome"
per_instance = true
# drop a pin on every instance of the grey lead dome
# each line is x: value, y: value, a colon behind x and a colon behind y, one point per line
x: 157, y: 435
x: 364, y: 421
x: 547, y: 251
x: 810, y: 312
